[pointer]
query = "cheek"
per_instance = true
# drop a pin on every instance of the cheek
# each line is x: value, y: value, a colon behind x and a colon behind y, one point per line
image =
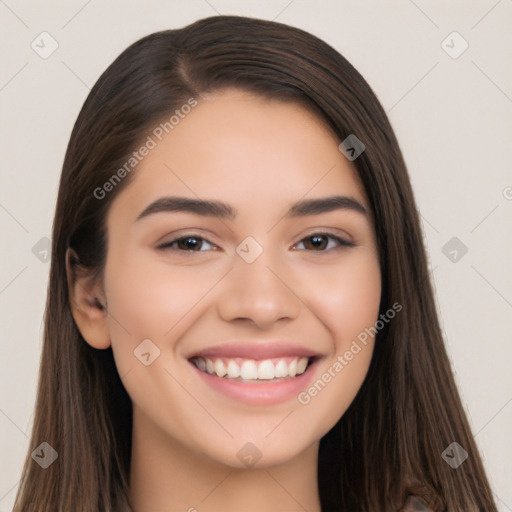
x: 347, y: 302
x: 154, y: 300
x: 151, y: 295
x: 347, y: 297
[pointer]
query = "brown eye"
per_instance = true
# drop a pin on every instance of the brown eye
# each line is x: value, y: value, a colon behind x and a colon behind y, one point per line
x: 319, y: 242
x: 187, y: 243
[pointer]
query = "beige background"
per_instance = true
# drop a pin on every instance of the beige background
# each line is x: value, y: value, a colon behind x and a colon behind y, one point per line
x: 452, y: 116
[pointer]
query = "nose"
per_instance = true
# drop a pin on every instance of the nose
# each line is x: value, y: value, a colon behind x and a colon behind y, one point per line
x: 260, y: 292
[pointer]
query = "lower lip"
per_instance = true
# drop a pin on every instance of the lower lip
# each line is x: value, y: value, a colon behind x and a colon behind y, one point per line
x: 259, y: 393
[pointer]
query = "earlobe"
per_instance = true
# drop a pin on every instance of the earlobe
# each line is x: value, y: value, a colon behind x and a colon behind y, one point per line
x: 87, y: 304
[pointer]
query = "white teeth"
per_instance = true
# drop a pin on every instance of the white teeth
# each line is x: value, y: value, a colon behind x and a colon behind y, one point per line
x: 301, y: 365
x: 220, y: 369
x: 281, y: 369
x: 250, y: 369
x: 201, y: 363
x: 266, y: 370
x: 233, y: 370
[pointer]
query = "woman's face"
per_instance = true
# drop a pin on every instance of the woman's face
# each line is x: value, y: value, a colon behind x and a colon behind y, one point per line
x: 257, y: 275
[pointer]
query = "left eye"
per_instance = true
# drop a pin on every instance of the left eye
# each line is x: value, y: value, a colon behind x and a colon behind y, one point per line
x: 320, y: 242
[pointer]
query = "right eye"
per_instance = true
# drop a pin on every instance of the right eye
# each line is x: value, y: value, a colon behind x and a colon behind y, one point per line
x: 189, y: 243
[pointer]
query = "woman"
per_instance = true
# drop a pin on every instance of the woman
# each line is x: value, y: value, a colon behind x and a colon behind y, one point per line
x: 239, y: 313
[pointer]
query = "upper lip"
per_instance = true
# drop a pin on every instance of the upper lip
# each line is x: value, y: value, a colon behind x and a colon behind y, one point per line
x: 259, y: 350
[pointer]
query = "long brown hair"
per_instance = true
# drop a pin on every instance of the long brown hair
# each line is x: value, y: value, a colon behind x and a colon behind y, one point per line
x: 388, y: 444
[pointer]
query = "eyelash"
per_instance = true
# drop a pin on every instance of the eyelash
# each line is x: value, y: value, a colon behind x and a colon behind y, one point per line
x: 341, y: 242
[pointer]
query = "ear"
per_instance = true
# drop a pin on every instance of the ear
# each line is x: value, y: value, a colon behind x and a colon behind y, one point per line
x: 88, y: 304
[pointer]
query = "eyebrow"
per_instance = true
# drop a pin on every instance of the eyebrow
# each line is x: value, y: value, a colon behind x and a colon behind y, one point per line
x: 221, y: 210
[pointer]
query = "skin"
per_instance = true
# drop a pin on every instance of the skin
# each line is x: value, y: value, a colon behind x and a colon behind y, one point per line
x: 260, y: 156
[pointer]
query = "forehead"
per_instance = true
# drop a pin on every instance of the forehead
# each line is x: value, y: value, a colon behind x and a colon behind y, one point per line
x: 247, y: 150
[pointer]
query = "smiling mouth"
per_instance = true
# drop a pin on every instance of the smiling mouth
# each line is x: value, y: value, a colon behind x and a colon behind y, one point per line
x: 252, y: 370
